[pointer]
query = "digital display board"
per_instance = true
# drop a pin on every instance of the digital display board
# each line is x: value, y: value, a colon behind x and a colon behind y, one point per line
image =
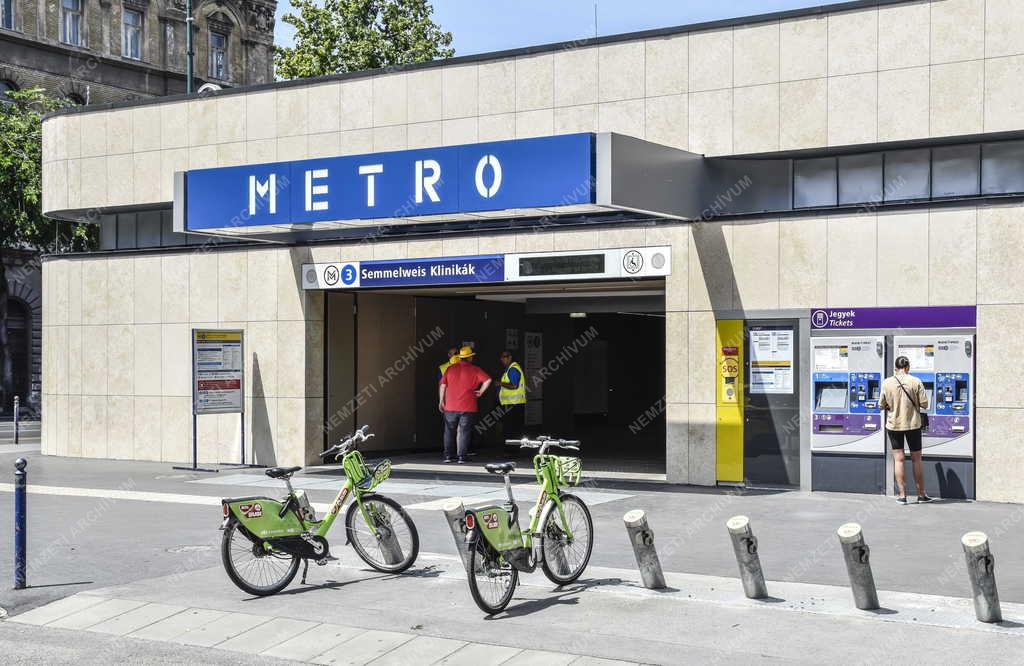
x: 573, y: 264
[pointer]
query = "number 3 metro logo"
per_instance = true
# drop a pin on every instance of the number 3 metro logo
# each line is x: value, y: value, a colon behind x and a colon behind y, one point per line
x: 349, y: 274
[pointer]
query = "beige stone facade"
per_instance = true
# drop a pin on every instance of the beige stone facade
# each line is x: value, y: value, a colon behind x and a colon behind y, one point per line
x: 115, y: 328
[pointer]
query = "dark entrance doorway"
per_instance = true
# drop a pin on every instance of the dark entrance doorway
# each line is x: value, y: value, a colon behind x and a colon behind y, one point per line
x: 771, y: 440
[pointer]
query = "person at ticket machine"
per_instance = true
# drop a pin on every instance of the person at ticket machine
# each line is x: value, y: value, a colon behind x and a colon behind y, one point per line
x: 905, y: 400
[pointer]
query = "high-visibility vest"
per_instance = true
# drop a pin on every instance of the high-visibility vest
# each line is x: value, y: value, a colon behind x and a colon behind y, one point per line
x: 516, y: 396
x: 444, y: 366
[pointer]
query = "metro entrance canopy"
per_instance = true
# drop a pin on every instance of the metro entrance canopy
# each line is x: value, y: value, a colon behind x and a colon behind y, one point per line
x: 566, y: 174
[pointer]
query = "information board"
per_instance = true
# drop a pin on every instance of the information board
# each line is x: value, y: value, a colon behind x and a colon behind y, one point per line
x: 218, y: 372
x: 771, y: 360
x: 533, y: 360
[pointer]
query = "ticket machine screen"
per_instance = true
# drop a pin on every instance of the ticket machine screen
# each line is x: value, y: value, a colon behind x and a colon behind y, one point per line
x: 831, y: 396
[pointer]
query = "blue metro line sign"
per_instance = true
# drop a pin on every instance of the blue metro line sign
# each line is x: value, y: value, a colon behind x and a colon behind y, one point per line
x: 523, y: 173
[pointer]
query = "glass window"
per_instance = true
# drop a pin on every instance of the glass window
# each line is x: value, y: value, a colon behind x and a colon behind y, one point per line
x: 6, y: 87
x: 132, y: 37
x: 71, y: 22
x: 218, y: 56
x: 7, y: 14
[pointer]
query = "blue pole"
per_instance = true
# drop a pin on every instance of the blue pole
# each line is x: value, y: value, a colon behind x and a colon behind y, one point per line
x: 20, y: 505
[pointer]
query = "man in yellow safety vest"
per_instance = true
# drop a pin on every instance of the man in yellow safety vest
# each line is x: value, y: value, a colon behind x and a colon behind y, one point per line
x: 453, y: 358
x: 512, y: 396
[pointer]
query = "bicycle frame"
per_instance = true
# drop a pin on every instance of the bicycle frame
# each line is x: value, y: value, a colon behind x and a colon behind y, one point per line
x: 544, y: 466
x: 323, y: 526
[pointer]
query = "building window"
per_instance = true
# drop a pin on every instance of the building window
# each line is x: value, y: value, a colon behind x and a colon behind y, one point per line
x: 7, y: 14
x: 132, y: 35
x: 6, y: 87
x: 218, y: 56
x: 71, y: 22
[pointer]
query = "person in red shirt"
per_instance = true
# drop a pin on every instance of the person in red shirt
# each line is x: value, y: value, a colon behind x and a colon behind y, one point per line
x: 458, y: 391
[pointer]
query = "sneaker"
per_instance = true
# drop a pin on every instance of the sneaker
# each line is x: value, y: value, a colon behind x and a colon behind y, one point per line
x: 448, y: 461
x: 462, y: 461
x: 902, y: 500
x: 924, y: 499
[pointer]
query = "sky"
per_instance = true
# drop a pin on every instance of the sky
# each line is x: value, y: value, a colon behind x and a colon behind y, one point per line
x: 495, y: 25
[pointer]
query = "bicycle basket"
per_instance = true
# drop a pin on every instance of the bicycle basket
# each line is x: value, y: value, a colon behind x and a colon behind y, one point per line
x: 355, y: 467
x: 569, y: 470
x: 381, y: 473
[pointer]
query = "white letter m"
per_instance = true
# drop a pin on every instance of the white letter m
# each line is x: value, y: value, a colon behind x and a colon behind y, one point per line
x: 266, y: 190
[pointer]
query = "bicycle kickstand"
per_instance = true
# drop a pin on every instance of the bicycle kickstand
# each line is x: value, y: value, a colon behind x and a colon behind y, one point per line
x: 305, y: 568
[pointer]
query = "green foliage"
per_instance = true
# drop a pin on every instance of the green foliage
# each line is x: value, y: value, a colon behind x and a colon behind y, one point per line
x: 22, y: 224
x: 354, y: 35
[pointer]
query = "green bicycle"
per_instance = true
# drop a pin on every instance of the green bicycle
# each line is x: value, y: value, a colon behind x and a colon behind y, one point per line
x: 560, y: 537
x: 265, y: 539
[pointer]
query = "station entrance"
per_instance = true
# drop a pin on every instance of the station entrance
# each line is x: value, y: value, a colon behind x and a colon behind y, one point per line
x: 593, y: 354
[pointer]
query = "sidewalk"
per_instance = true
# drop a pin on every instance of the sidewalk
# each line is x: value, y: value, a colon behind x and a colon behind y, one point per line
x: 350, y: 615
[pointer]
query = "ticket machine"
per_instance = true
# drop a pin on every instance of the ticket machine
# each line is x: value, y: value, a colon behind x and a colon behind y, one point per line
x: 945, y: 364
x: 847, y: 428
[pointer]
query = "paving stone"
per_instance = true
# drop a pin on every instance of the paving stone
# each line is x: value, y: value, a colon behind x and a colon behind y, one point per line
x: 87, y: 617
x: 420, y: 650
x: 363, y: 648
x: 229, y: 626
x: 313, y: 642
x: 177, y: 625
x: 276, y: 631
x: 58, y: 609
x: 136, y: 619
x: 479, y: 654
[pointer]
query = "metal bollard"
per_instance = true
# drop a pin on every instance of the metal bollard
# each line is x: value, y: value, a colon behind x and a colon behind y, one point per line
x: 17, y: 404
x: 744, y: 544
x: 455, y: 514
x: 642, y: 538
x: 858, y: 566
x: 981, y: 568
x: 20, y: 533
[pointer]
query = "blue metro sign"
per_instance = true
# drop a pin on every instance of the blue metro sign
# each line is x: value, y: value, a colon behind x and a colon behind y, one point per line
x: 523, y: 173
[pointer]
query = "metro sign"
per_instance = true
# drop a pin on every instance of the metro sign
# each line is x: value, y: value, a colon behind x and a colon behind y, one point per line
x: 525, y: 173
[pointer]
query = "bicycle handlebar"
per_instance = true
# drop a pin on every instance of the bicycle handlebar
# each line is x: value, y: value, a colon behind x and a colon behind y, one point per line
x: 349, y: 443
x: 543, y: 442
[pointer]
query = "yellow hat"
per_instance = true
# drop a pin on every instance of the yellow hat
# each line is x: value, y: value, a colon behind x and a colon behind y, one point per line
x: 467, y: 352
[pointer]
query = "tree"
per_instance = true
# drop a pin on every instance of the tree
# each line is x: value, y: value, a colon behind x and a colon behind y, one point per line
x: 22, y: 225
x: 353, y: 35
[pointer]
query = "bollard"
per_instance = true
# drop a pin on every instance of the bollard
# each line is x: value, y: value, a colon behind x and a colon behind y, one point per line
x: 642, y: 538
x: 389, y: 546
x: 17, y: 404
x: 20, y: 509
x: 981, y: 567
x: 455, y: 514
x: 858, y: 566
x: 744, y: 544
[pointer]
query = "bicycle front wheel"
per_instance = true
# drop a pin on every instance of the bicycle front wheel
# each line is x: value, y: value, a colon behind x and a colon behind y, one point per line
x: 253, y: 568
x: 492, y: 580
x: 565, y: 558
x: 396, y: 544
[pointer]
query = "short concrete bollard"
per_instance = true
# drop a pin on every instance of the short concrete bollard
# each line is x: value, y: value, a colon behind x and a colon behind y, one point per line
x: 455, y: 514
x: 858, y: 566
x: 642, y: 538
x: 744, y: 544
x: 981, y: 567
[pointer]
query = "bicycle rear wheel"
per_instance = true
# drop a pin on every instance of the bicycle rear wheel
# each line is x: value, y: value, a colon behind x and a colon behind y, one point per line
x: 565, y: 558
x: 492, y: 580
x: 253, y: 568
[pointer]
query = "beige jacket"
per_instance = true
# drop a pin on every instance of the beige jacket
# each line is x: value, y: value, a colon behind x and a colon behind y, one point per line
x: 903, y: 414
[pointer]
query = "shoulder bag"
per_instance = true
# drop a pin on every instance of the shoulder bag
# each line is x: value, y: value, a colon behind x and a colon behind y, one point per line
x: 924, y: 415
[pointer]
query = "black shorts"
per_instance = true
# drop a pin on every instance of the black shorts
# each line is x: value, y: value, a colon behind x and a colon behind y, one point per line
x: 912, y: 439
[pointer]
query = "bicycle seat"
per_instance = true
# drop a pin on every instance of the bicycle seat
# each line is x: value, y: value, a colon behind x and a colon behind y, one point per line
x: 281, y: 472
x: 500, y: 468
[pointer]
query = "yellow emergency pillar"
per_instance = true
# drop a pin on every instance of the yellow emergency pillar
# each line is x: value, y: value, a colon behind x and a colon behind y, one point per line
x: 729, y: 401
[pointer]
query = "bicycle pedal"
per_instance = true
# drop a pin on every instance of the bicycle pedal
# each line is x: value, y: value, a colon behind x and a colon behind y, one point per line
x: 324, y: 560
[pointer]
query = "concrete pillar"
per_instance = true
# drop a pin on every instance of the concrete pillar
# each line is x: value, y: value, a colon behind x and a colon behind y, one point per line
x: 744, y: 544
x: 981, y: 568
x: 858, y: 566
